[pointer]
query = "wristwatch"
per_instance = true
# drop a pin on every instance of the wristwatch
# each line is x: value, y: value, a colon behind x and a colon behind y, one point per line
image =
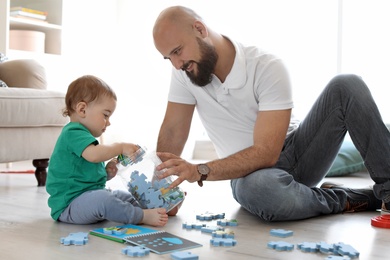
x: 203, y: 170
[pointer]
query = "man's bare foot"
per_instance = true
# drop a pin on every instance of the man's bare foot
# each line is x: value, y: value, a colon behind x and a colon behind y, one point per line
x: 155, y: 217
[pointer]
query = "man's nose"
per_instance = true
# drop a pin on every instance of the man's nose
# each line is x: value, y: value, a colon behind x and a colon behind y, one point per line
x: 177, y: 63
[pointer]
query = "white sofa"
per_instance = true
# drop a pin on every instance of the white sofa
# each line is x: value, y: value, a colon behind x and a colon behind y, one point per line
x: 30, y: 115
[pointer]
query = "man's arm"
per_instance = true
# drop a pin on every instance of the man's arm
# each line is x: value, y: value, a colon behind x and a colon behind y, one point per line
x: 269, y: 135
x: 175, y: 128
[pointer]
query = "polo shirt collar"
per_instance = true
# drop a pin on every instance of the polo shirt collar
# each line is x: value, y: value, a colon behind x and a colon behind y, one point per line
x: 237, y: 77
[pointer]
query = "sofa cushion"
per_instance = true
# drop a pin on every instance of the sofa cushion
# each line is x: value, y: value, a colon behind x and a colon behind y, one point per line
x: 24, y: 107
x: 348, y: 161
x: 24, y: 73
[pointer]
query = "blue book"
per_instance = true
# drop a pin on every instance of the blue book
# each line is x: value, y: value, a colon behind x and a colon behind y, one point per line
x: 119, y: 233
x: 157, y: 241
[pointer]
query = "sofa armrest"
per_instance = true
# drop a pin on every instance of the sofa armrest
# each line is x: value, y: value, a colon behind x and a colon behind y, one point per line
x: 23, y: 73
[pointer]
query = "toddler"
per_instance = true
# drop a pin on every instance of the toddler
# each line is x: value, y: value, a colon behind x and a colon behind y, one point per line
x: 77, y: 173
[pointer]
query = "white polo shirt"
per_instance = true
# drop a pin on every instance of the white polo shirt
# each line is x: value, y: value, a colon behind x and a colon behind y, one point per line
x: 258, y: 81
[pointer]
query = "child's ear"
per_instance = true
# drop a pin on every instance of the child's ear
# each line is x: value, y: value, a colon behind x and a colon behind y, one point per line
x: 80, y: 108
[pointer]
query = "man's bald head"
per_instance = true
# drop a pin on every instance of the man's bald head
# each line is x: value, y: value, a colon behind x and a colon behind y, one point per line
x: 179, y: 17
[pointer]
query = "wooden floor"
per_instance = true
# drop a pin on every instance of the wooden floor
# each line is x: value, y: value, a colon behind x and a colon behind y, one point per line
x: 28, y: 232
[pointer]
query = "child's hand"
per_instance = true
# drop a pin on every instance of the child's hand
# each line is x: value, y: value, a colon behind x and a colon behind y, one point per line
x: 129, y: 149
x: 111, y: 169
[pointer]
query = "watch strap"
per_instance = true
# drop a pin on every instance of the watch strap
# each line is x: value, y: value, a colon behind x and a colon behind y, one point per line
x: 202, y: 178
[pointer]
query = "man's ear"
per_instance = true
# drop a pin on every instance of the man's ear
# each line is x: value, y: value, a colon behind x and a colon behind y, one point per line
x: 201, y: 29
x: 80, y: 108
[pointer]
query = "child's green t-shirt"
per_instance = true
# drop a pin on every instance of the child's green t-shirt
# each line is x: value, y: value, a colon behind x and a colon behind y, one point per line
x: 69, y: 174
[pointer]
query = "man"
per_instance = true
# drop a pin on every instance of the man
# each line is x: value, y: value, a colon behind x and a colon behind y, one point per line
x: 244, y: 99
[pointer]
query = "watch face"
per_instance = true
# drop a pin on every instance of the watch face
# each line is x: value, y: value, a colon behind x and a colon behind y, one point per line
x: 203, y: 169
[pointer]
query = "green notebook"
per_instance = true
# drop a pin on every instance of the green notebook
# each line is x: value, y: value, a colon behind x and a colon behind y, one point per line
x: 159, y: 242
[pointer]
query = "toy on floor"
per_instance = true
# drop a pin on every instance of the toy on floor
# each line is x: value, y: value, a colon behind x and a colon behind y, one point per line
x: 308, y: 247
x: 325, y: 248
x: 135, y: 251
x: 154, y: 194
x: 193, y: 225
x: 280, y: 246
x: 210, y: 216
x: 211, y: 229
x: 141, y: 180
x: 335, y: 257
x: 114, y: 230
x: 227, y: 233
x: 80, y: 238
x: 227, y: 222
x: 184, y: 256
x: 281, y: 233
x: 382, y: 221
x: 347, y: 250
x: 223, y: 242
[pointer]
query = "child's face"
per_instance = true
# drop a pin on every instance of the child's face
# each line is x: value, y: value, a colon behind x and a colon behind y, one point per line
x: 97, y: 115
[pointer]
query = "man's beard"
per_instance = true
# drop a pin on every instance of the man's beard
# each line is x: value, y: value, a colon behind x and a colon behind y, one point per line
x: 205, y: 66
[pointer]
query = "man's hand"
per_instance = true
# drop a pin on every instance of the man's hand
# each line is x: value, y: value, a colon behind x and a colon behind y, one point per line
x: 174, y: 165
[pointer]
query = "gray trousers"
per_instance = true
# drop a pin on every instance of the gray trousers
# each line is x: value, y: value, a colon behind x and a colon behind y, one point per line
x: 288, y: 191
x: 98, y: 205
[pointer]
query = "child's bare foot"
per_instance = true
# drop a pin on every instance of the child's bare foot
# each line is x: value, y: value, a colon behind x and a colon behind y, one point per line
x: 155, y: 217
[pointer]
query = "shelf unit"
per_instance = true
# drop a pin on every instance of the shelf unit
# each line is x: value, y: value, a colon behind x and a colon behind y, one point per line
x: 52, y: 29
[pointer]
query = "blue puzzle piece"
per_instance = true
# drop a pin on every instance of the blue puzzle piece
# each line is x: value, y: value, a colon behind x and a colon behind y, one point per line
x: 308, y: 247
x: 281, y: 233
x: 227, y: 233
x: 280, y: 246
x: 210, y: 216
x: 114, y: 230
x: 223, y: 242
x: 153, y: 199
x: 139, y: 185
x: 135, y: 251
x: 325, y: 247
x: 80, y: 238
x: 334, y: 257
x: 344, y: 249
x: 227, y: 222
x: 184, y: 256
x: 211, y: 229
x: 193, y: 225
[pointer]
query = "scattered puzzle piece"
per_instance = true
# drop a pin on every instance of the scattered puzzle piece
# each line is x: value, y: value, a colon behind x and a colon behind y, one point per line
x: 308, y: 247
x: 325, y: 248
x: 114, y: 230
x: 227, y: 233
x: 80, y: 238
x: 135, y: 251
x: 345, y: 250
x: 184, y: 256
x: 223, y: 242
x: 335, y: 257
x: 210, y: 216
x: 211, y: 229
x: 227, y: 222
x: 280, y: 246
x: 281, y: 233
x: 193, y: 225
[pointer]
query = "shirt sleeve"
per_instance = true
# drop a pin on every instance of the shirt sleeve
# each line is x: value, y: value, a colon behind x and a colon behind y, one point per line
x: 179, y: 90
